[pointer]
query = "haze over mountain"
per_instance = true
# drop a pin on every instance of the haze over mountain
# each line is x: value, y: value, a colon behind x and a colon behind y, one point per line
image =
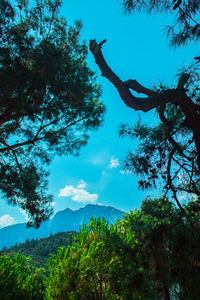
x: 66, y: 220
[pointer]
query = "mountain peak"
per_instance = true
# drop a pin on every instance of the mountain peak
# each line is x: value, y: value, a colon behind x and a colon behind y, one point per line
x: 65, y: 220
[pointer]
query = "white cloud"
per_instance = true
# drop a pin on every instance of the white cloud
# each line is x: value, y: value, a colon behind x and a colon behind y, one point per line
x: 114, y: 163
x: 6, y: 220
x: 78, y: 194
x: 53, y: 203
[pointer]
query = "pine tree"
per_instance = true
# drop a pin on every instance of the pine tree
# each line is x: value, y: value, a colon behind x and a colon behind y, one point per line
x: 168, y: 153
x: 49, y: 99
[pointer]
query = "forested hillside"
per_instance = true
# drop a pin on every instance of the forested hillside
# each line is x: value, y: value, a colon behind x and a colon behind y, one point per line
x: 39, y: 250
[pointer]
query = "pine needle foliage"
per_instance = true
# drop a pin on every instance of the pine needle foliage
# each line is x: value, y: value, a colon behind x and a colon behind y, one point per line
x: 49, y: 99
x: 146, y: 255
x: 19, y: 279
x: 186, y: 17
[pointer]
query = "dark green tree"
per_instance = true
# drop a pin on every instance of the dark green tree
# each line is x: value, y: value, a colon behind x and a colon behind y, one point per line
x: 168, y: 153
x: 49, y: 99
x: 165, y: 246
x: 152, y: 253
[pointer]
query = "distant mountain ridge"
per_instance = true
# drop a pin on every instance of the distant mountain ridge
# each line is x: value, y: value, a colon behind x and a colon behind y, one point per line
x: 65, y: 220
x: 40, y: 249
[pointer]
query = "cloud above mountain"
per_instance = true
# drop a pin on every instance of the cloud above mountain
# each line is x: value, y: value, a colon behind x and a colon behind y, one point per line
x: 6, y: 220
x: 78, y: 193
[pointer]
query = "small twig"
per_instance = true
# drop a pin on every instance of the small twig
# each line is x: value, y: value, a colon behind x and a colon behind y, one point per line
x: 32, y: 141
x: 168, y: 129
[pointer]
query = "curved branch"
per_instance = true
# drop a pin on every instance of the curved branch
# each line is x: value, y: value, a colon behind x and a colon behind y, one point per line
x: 143, y: 104
x: 154, y: 99
x: 137, y: 87
x: 176, y: 96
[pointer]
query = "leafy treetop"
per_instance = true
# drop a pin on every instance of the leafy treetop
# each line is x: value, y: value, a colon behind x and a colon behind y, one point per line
x: 49, y: 99
x: 146, y: 255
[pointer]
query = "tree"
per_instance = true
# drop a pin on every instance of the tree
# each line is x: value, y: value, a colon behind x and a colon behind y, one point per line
x: 170, y: 151
x: 165, y: 246
x: 96, y: 265
x: 152, y: 253
x: 85, y: 265
x: 186, y: 26
x: 49, y: 99
x: 19, y: 280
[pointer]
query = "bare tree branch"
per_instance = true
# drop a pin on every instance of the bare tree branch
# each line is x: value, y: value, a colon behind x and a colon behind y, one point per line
x: 153, y: 100
x: 177, y: 96
x: 137, y: 87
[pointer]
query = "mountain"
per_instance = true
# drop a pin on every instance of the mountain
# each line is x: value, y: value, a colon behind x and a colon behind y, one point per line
x: 40, y: 249
x: 65, y: 220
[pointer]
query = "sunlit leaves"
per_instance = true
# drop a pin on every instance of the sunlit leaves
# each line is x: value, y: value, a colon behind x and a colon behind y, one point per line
x: 19, y: 280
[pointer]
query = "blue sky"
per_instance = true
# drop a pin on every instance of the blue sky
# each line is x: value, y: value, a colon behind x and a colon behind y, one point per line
x: 136, y: 47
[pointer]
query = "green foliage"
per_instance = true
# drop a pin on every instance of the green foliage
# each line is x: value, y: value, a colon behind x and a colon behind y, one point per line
x: 49, y: 99
x: 39, y: 250
x: 166, y: 246
x: 146, y: 255
x: 186, y: 22
x: 167, y: 154
x: 152, y: 253
x: 19, y: 280
x: 98, y: 265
